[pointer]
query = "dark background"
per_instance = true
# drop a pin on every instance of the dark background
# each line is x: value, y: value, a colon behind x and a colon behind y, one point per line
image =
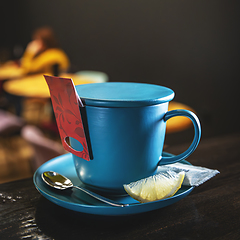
x: 189, y: 46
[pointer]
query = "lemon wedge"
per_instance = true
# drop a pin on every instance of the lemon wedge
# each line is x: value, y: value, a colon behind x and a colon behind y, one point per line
x: 156, y: 187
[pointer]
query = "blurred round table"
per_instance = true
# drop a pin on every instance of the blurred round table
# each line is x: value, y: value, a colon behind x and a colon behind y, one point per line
x: 31, y: 94
x: 177, y: 124
x: 36, y: 86
x: 10, y: 71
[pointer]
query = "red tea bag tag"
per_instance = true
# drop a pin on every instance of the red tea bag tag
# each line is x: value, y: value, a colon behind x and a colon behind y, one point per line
x: 65, y: 102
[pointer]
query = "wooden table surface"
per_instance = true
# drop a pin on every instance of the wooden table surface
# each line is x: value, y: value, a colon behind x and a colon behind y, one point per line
x: 211, y: 211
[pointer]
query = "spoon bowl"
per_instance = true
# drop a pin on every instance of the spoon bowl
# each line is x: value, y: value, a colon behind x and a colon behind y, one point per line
x: 59, y: 181
x: 56, y: 180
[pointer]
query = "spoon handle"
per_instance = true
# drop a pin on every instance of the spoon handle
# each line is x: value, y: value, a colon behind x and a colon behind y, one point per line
x: 101, y: 198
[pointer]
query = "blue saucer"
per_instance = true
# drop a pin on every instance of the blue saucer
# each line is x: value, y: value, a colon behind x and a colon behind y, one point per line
x: 81, y: 202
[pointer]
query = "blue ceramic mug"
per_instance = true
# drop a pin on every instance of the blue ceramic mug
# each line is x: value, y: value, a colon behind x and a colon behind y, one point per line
x: 126, y: 124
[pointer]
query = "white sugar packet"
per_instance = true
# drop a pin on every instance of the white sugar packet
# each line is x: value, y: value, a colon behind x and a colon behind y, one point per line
x: 194, y: 175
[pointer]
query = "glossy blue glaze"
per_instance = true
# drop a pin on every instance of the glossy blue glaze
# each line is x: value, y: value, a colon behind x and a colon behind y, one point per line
x: 126, y: 144
x: 126, y: 126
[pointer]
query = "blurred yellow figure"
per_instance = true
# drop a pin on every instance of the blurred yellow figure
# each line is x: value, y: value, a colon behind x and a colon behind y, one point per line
x: 43, y: 54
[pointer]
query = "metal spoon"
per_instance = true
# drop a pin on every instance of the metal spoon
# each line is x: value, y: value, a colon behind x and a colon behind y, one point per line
x: 59, y: 181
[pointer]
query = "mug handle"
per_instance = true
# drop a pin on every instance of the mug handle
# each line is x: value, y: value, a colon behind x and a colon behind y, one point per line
x: 196, y: 139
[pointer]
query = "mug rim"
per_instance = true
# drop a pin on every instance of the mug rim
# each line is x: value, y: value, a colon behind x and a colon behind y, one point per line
x: 123, y: 94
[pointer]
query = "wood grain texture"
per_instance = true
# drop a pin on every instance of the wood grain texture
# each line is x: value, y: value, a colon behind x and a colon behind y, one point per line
x: 211, y: 211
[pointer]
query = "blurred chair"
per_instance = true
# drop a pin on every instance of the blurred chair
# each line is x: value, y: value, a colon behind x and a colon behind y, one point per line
x: 10, y: 128
x: 44, y: 148
x: 35, y: 110
x: 97, y: 77
x: 10, y: 124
